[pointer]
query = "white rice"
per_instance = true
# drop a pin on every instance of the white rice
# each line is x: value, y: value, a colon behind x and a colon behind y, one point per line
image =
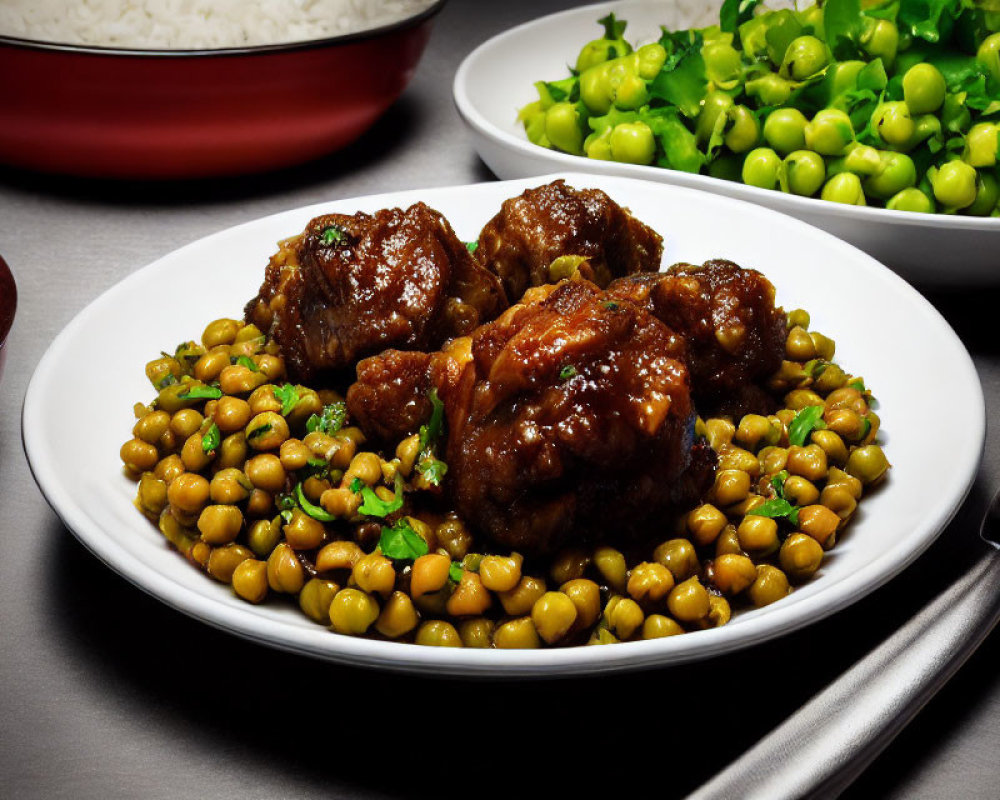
x: 195, y: 24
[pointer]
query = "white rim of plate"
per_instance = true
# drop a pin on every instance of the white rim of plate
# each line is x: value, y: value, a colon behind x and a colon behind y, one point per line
x: 470, y: 113
x: 546, y: 662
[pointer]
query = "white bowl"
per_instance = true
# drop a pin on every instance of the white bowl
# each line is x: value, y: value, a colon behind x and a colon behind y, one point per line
x: 888, y: 333
x: 497, y: 79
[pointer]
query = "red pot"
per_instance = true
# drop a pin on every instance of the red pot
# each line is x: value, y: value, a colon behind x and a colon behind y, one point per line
x: 113, y: 112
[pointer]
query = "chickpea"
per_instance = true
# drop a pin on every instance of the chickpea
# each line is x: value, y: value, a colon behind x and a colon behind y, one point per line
x: 232, y: 452
x: 553, y: 615
x: 754, y: 430
x: 139, y: 456
x: 839, y: 500
x: 837, y: 477
x: 800, y: 556
x: 352, y: 612
x: 470, y: 597
x: 454, y: 537
x: 398, y: 617
x: 610, y: 563
x: 728, y: 542
x: 499, y: 573
x: 719, y: 432
x: 237, y: 379
x: 223, y: 561
x: 517, y: 633
x: 569, y: 564
x: 731, y: 486
x: 188, y: 492
x: 340, y: 554
x: 679, y: 556
x: 249, y: 580
x: 210, y: 365
x: 263, y: 399
x: 303, y: 532
x: 868, y: 464
x: 231, y: 414
x: 294, y: 454
x: 705, y: 523
x: 266, y: 431
x: 808, y: 461
x: 407, y: 452
x: 773, y: 460
x: 719, y: 612
x: 799, y: 491
x: 152, y: 426
x: 263, y: 535
x: 220, y: 524
x: 477, y: 632
x: 273, y: 369
x: 623, y: 616
x: 732, y: 457
x: 799, y: 346
x: 650, y: 582
x: 265, y: 471
x: 219, y: 332
x: 825, y: 347
x: 770, y: 585
x: 285, y: 572
x: 437, y: 633
x: 847, y: 397
x: 151, y: 497
x: 169, y: 468
x: 758, y: 536
x: 340, y: 502
x: 374, y: 573
x: 366, y: 466
x: 586, y: 596
x: 820, y: 523
x: 229, y: 486
x: 732, y: 573
x: 688, y: 601
x: 519, y: 600
x: 186, y: 422
x: 656, y: 626
x: 259, y: 504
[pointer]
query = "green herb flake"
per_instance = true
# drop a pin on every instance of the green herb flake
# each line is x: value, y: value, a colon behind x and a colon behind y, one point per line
x: 866, y: 427
x: 288, y: 396
x: 815, y: 367
x: 286, y: 505
x: 806, y: 421
x: 455, y: 571
x: 316, y: 512
x: 210, y: 441
x: 472, y: 246
x: 567, y: 372
x: 249, y: 363
x: 375, y: 506
x: 168, y: 380
x: 433, y: 469
x: 258, y: 432
x: 200, y: 393
x: 330, y: 420
x: 356, y: 485
x: 777, y: 508
x: 430, y: 432
x: 610, y: 305
x: 333, y: 234
x: 401, y: 542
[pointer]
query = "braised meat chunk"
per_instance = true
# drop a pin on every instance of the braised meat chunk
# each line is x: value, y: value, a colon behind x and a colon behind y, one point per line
x: 570, y: 420
x: 735, y: 336
x: 555, y: 220
x: 352, y: 286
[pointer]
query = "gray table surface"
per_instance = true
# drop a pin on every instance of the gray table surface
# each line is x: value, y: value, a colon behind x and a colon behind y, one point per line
x: 105, y: 693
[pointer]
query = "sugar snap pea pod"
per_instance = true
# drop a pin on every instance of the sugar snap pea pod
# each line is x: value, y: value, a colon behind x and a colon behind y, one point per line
x: 897, y: 172
x: 987, y: 195
x: 911, y: 199
x: 981, y: 144
x: 610, y: 46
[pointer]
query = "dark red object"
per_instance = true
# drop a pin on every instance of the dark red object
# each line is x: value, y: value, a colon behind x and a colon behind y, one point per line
x: 8, y: 304
x: 179, y: 114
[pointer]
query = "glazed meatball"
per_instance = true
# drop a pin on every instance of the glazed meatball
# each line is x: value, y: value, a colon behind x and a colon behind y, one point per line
x: 571, y: 419
x: 352, y: 286
x: 540, y: 225
x: 734, y: 334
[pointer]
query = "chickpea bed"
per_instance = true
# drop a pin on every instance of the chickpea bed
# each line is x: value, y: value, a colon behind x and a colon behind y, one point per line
x: 359, y: 490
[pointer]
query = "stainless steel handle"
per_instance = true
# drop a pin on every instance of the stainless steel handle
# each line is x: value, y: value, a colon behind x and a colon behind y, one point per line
x: 823, y: 747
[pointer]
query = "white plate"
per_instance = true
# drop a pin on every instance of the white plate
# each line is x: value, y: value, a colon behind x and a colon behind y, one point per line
x: 75, y: 417
x: 497, y: 79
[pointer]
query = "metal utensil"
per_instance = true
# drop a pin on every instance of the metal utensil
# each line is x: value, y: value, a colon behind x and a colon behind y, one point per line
x: 823, y: 747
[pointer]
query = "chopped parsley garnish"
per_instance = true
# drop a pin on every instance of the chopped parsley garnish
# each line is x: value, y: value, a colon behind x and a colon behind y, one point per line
x: 866, y: 426
x: 401, y: 542
x: 288, y: 396
x: 857, y: 383
x: 249, y: 363
x: 356, y: 485
x: 260, y: 431
x: 778, y: 507
x: 286, y: 504
x: 455, y: 571
x: 200, y: 393
x: 472, y: 246
x: 567, y: 372
x: 330, y: 420
x: 433, y: 469
x: 431, y: 432
x: 210, y: 441
x: 317, y: 468
x: 333, y: 234
x: 375, y: 506
x: 815, y: 367
x: 806, y: 421
x: 316, y: 512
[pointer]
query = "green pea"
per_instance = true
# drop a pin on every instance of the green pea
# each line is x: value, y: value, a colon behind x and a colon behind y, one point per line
x: 743, y: 129
x: 911, y: 199
x: 761, y: 168
x: 784, y: 130
x: 649, y: 60
x: 880, y: 39
x: 830, y: 132
x: 893, y: 123
x: 562, y: 127
x: 844, y: 188
x: 532, y: 116
x: 860, y: 159
x: 633, y: 143
x: 988, y: 55
x: 804, y: 173
x: 598, y: 145
x: 923, y: 88
x: 954, y: 184
x: 600, y: 50
x: 805, y: 56
x: 723, y: 64
x: 987, y: 195
x: 897, y: 172
x: 596, y: 90
x: 715, y: 105
x: 770, y: 89
x: 628, y: 89
x: 981, y: 144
